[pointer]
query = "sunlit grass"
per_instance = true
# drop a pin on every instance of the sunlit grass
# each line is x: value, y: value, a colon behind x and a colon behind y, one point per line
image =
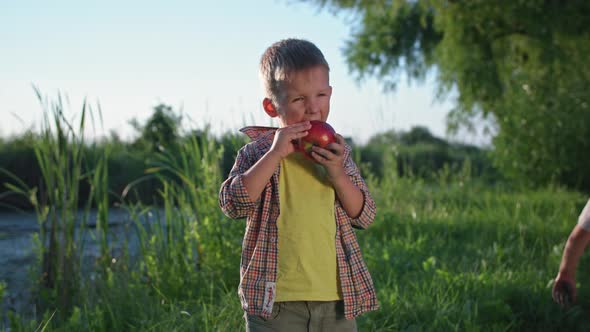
x: 458, y: 256
x: 451, y: 254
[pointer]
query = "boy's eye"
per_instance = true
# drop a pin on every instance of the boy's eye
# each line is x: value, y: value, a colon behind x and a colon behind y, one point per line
x: 297, y: 99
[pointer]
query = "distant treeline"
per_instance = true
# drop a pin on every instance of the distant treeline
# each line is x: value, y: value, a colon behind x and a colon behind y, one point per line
x: 417, y: 153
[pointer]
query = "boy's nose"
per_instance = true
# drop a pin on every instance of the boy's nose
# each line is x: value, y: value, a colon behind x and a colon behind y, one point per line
x: 312, y: 106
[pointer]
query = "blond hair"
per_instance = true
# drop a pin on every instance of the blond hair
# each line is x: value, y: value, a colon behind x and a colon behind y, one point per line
x: 284, y: 57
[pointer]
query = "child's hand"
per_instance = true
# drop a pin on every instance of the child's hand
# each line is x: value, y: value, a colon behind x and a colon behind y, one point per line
x: 284, y: 137
x: 564, y: 291
x: 331, y: 157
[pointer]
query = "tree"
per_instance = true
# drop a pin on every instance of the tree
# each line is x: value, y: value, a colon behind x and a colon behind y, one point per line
x: 419, y: 134
x: 520, y: 65
x: 161, y: 130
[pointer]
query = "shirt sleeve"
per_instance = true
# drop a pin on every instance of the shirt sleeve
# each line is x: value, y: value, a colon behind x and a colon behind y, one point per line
x: 234, y: 200
x: 368, y: 211
x: 584, y: 218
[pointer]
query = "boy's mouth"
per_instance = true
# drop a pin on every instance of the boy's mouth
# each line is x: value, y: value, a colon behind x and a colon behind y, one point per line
x: 313, y: 119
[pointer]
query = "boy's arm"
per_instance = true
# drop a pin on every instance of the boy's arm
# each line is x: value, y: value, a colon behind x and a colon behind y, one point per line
x: 243, y: 187
x: 351, y: 190
x: 566, y: 278
x: 256, y: 178
x: 368, y: 209
x: 350, y: 196
x: 249, y: 176
x: 234, y: 199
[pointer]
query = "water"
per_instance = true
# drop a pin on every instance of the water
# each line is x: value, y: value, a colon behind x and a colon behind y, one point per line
x: 17, y: 255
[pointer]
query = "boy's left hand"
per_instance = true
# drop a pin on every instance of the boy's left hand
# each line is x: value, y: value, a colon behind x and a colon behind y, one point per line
x: 331, y: 157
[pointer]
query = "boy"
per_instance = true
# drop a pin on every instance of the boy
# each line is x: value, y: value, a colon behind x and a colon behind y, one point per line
x: 301, y: 266
x: 564, y: 288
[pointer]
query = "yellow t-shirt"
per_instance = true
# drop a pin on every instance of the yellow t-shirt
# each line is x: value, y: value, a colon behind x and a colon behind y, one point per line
x: 307, y: 266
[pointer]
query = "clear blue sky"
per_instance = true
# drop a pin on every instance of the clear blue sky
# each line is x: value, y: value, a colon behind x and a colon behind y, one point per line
x: 201, y: 56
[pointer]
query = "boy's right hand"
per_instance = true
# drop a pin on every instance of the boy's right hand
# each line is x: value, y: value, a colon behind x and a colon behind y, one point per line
x: 564, y: 290
x: 283, y: 143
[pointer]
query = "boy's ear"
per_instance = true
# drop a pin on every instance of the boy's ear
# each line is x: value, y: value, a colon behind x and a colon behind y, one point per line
x: 269, y: 108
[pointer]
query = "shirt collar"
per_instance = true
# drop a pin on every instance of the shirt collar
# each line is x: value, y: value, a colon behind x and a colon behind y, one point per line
x: 258, y: 132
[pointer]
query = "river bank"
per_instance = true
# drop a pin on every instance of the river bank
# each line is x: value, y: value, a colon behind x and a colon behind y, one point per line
x: 17, y: 258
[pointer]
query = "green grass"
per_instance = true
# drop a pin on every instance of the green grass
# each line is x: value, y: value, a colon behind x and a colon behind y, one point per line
x: 470, y: 258
x: 448, y: 255
x: 443, y: 258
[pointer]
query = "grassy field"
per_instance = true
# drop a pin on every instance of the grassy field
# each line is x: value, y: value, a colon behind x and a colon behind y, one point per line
x: 453, y: 256
x: 450, y: 254
x: 457, y: 256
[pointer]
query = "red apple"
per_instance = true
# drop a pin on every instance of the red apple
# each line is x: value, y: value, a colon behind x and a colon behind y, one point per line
x: 320, y: 134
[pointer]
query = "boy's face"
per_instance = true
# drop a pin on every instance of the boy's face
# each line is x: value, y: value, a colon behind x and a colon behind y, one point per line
x: 305, y: 96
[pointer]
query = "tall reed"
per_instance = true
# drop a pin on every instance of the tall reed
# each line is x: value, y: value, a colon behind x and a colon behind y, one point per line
x: 99, y: 191
x: 61, y: 152
x: 60, y: 157
x: 188, y: 233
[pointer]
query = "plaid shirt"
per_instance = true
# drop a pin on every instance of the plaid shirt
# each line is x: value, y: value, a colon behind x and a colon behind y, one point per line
x: 258, y: 270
